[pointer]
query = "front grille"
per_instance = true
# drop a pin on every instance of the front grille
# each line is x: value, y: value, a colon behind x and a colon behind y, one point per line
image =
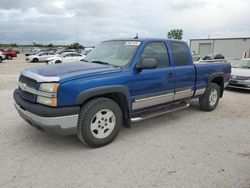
x: 28, y: 81
x: 240, y: 77
x: 28, y: 96
x: 234, y: 83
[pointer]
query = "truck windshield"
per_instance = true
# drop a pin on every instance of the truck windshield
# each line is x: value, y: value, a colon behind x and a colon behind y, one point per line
x: 115, y: 53
x: 240, y: 64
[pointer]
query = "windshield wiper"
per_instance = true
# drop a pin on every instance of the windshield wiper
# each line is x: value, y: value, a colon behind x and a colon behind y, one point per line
x: 100, y: 62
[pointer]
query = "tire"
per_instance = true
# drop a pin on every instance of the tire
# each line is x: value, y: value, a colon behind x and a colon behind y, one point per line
x: 57, y: 61
x: 35, y: 60
x: 210, y: 99
x: 99, y: 131
x: 9, y: 57
x: 1, y: 59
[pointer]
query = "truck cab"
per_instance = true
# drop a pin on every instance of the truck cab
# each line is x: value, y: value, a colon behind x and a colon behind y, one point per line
x: 119, y: 82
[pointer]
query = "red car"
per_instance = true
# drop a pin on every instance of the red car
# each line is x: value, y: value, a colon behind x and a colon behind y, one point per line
x: 9, y: 54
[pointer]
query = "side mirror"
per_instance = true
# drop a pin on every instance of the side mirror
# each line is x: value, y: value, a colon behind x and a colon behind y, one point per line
x: 147, y: 63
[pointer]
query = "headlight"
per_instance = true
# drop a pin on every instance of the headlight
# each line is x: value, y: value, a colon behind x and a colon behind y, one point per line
x: 50, y: 93
x: 49, y: 87
x: 47, y: 101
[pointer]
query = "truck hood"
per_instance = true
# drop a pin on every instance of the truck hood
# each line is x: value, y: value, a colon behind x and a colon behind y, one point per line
x: 67, y: 71
x: 240, y: 72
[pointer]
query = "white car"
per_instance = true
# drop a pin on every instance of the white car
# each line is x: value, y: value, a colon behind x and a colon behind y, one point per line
x: 65, y: 58
x: 240, y: 76
x: 41, y: 56
x: 2, y: 56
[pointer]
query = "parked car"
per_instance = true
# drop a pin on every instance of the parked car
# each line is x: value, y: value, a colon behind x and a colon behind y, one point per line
x: 240, y: 77
x: 9, y: 54
x: 40, y: 56
x: 122, y: 81
x: 2, y: 56
x: 67, y: 57
x: 65, y: 51
x: 33, y: 51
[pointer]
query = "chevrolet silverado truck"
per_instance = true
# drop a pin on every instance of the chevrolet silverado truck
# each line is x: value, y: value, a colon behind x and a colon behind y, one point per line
x: 119, y: 82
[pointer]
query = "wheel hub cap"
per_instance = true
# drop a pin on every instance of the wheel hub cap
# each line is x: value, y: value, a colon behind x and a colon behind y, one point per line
x: 213, y: 97
x: 103, y: 123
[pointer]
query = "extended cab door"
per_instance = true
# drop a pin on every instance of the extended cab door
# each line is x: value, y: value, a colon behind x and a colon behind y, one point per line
x: 152, y: 87
x: 184, y: 70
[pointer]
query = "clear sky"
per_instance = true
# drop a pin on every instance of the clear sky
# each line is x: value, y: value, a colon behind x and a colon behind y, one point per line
x: 59, y: 21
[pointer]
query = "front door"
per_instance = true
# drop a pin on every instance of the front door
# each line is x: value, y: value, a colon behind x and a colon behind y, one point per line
x: 152, y: 87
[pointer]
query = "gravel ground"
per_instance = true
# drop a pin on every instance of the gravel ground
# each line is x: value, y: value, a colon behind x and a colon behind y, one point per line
x: 187, y: 148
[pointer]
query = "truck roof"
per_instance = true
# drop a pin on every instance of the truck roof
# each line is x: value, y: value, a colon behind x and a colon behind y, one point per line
x: 144, y: 39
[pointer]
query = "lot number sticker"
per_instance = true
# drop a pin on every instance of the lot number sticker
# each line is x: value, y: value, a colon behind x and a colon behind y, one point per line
x: 133, y: 43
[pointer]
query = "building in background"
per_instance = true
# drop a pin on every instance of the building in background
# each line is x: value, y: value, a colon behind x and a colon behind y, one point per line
x: 229, y: 47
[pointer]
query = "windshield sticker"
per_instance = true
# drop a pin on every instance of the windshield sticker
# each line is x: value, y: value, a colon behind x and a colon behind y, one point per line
x: 133, y: 43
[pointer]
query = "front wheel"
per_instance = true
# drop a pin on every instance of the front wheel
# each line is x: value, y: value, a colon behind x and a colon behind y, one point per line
x: 99, y: 122
x: 210, y: 99
x: 58, y: 61
x: 9, y: 57
x: 35, y: 60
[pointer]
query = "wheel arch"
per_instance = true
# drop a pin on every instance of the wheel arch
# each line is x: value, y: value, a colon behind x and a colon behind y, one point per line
x: 119, y: 94
x: 218, y: 78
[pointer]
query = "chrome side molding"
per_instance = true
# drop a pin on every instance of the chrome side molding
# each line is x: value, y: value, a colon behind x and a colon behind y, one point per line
x: 151, y: 101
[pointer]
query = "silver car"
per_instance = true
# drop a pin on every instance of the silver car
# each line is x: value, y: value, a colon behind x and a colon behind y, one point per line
x: 240, y: 76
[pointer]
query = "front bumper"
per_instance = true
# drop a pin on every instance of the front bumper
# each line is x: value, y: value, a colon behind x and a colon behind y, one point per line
x: 238, y: 84
x: 62, y: 121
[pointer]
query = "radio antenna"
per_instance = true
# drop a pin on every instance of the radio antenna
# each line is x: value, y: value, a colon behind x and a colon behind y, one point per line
x: 136, y: 37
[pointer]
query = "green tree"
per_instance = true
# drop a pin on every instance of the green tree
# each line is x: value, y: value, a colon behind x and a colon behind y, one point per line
x: 13, y: 45
x: 175, y: 34
x: 37, y: 44
x: 76, y: 45
x: 50, y: 45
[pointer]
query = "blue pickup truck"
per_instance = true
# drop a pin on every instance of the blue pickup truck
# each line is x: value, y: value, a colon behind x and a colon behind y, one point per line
x: 119, y: 82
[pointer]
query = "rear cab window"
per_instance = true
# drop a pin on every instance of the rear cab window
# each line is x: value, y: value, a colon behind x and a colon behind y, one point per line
x: 180, y: 54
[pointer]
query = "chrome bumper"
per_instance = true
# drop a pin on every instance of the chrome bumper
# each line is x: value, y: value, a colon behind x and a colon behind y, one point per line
x: 238, y: 87
x: 63, y: 125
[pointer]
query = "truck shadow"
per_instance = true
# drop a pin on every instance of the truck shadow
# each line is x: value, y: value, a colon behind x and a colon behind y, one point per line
x: 46, y: 141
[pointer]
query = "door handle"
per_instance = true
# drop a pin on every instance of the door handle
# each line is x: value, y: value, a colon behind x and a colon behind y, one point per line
x: 170, y: 75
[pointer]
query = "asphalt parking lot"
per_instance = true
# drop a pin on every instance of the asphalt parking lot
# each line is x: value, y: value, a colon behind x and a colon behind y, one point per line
x: 187, y: 148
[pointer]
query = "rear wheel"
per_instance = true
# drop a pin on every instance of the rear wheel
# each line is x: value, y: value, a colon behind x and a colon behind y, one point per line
x: 57, y: 61
x: 1, y: 59
x: 210, y: 99
x: 99, y: 122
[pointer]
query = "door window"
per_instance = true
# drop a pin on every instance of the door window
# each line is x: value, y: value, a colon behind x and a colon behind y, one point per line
x: 158, y: 51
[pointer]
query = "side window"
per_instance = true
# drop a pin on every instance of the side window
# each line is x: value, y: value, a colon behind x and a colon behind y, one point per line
x: 158, y: 51
x: 180, y: 53
x: 68, y: 55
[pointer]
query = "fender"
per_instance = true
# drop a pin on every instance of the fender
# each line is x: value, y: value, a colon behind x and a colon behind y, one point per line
x: 93, y: 92
x: 217, y: 75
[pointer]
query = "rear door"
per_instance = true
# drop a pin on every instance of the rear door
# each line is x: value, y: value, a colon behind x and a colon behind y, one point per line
x: 184, y: 70
x: 152, y: 87
x: 67, y: 58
